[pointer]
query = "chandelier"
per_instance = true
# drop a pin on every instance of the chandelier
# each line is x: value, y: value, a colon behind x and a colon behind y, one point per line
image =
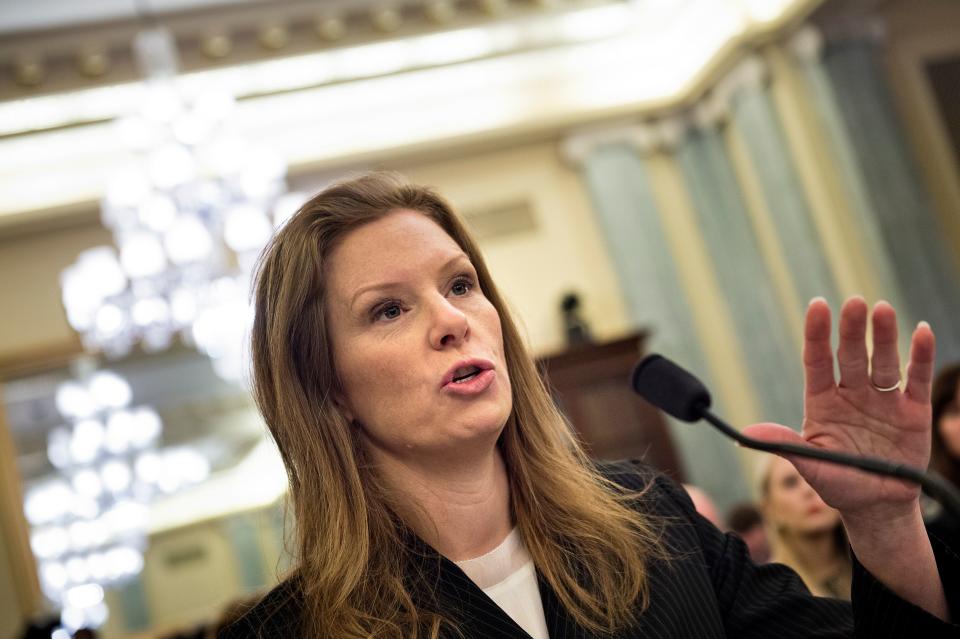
x: 88, y: 519
x: 188, y: 215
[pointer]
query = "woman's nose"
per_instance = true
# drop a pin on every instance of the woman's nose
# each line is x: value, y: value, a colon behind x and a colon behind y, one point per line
x: 448, y: 326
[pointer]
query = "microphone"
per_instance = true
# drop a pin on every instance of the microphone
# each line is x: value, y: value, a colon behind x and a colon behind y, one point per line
x: 677, y: 392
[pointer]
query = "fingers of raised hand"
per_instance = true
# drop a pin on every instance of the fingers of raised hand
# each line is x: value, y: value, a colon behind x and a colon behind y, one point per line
x: 885, y: 362
x: 857, y: 369
x: 817, y: 356
x: 920, y: 368
x: 852, y: 350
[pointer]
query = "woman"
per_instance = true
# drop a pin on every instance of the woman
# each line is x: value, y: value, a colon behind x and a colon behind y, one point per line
x: 945, y: 456
x: 804, y: 532
x: 416, y: 433
x: 746, y: 521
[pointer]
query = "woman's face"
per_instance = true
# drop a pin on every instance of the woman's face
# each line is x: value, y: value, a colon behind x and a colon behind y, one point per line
x: 949, y: 426
x: 417, y: 346
x: 792, y: 505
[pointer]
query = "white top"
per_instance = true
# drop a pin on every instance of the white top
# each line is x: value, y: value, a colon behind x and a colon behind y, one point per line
x: 506, y: 574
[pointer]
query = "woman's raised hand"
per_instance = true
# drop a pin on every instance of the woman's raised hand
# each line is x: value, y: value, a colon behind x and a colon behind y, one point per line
x: 868, y: 411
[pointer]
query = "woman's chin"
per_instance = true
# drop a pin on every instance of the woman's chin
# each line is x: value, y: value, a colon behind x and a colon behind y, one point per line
x: 820, y: 525
x: 460, y: 442
x: 477, y: 435
x: 478, y: 422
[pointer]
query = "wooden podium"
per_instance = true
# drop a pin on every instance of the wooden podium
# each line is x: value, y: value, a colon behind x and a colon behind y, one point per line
x: 591, y: 384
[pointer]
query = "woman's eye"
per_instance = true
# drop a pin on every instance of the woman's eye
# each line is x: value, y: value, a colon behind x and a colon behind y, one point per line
x: 461, y: 287
x: 791, y: 482
x: 388, y: 312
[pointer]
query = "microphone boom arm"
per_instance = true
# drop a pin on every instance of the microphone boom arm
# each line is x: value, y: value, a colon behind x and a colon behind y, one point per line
x: 931, y: 483
x: 679, y: 393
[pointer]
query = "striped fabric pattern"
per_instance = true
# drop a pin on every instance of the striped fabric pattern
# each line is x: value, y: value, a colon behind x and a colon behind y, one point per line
x: 708, y: 589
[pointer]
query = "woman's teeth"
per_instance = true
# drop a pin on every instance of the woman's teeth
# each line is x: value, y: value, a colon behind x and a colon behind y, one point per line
x: 466, y: 376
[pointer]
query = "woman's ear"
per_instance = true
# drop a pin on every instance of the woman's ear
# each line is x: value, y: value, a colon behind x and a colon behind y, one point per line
x: 340, y: 401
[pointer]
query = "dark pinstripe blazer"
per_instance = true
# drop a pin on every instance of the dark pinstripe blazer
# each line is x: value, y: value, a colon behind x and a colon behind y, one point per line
x: 708, y: 589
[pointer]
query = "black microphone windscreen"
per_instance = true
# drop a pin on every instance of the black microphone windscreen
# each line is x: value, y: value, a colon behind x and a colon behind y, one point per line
x: 670, y: 388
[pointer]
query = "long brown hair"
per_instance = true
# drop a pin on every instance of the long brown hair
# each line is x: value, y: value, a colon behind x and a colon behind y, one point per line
x: 350, y: 554
x: 943, y: 395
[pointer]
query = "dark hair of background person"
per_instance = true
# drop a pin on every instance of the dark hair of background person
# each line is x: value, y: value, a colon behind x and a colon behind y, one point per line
x: 40, y: 627
x: 354, y: 583
x: 943, y: 395
x: 197, y: 632
x: 744, y: 517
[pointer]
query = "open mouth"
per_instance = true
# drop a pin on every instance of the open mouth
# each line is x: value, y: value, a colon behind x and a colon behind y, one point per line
x: 466, y: 371
x: 465, y: 374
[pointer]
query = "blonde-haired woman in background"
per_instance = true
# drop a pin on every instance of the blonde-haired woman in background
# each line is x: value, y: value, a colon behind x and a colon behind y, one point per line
x: 439, y: 492
x: 804, y: 532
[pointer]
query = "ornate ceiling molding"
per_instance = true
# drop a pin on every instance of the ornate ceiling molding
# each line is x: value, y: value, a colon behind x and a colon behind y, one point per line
x: 91, y: 50
x: 384, y: 106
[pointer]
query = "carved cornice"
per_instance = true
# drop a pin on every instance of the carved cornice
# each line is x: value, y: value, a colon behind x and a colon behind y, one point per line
x: 62, y: 58
x: 851, y: 21
x: 667, y: 132
x: 415, y: 107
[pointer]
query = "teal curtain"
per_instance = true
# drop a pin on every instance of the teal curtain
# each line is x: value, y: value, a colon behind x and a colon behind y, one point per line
x: 838, y: 139
x: 901, y: 209
x: 756, y: 117
x: 773, y: 363
x: 620, y: 188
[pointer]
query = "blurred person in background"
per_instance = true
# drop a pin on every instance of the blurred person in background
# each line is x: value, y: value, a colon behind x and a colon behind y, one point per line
x: 40, y: 627
x: 746, y: 521
x: 804, y: 532
x: 439, y: 492
x: 945, y: 454
x: 704, y: 505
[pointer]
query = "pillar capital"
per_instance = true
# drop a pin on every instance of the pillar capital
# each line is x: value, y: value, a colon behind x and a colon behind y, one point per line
x: 662, y: 134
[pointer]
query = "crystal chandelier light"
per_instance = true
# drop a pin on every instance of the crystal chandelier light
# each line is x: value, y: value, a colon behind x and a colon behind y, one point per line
x: 189, y: 215
x: 88, y: 520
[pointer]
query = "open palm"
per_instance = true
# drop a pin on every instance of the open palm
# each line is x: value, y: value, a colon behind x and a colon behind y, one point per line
x: 857, y: 415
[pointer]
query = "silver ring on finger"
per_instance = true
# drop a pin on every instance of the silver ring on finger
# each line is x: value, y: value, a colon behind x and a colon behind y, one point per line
x: 887, y: 389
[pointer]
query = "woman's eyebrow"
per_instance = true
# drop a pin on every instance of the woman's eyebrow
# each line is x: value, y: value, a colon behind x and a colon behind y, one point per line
x: 393, y: 284
x: 372, y: 287
x: 456, y: 258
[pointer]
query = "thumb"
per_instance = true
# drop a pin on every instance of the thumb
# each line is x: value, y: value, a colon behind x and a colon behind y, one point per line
x: 774, y: 434
x: 779, y: 434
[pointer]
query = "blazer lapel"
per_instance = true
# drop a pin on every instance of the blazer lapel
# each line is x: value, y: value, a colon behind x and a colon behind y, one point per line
x: 560, y: 624
x: 480, y: 616
x: 439, y: 581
